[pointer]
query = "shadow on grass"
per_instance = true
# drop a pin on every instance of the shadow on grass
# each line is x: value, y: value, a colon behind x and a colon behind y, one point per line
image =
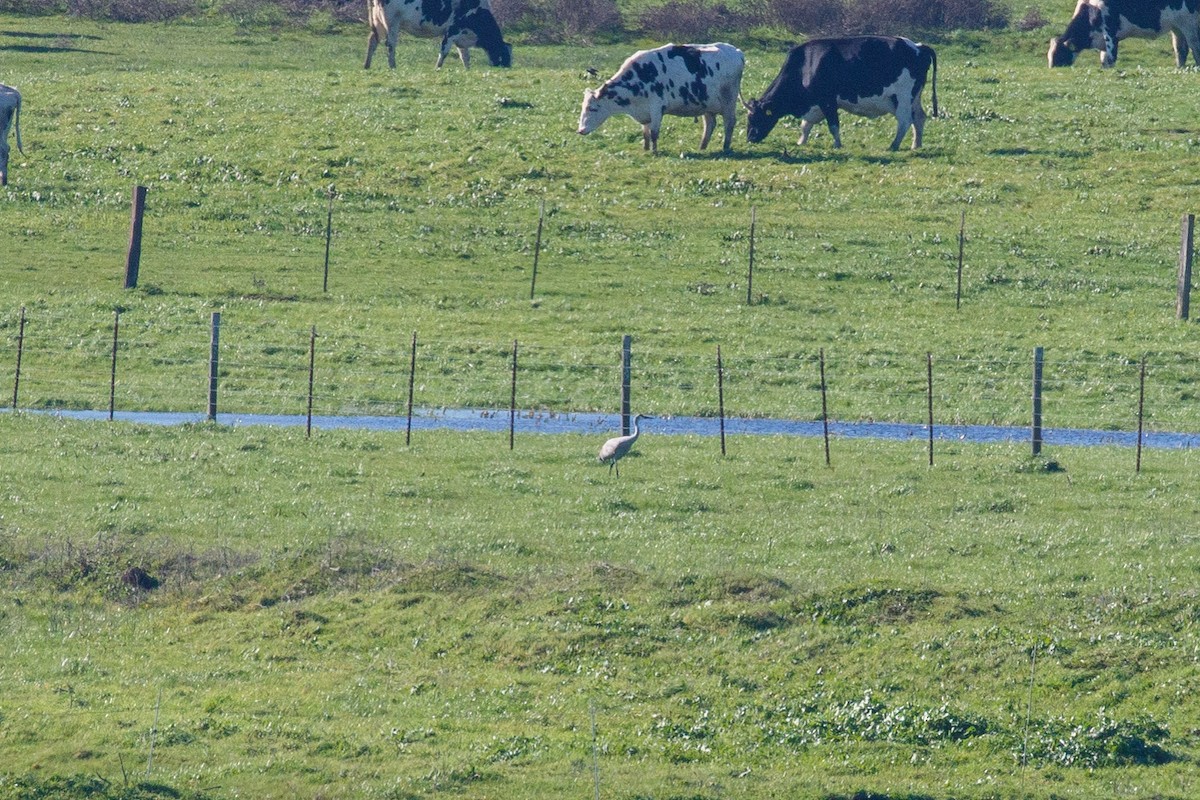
x: 783, y: 156
x: 28, y: 35
x: 1028, y: 151
x: 54, y: 43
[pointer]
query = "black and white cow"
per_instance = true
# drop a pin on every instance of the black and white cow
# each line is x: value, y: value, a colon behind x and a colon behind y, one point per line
x: 866, y: 75
x: 1100, y: 24
x: 461, y: 23
x: 683, y: 80
x: 10, y: 111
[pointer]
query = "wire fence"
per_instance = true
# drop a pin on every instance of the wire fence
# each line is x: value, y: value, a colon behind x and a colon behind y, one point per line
x: 119, y: 364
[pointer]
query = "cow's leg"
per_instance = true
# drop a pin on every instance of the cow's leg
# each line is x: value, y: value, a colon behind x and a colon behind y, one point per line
x: 1186, y: 40
x: 464, y: 55
x: 6, y: 117
x: 807, y: 121
x: 918, y: 124
x: 444, y: 50
x: 393, y: 34
x: 372, y: 43
x: 646, y: 136
x: 1180, y: 46
x: 730, y: 118
x: 710, y: 122
x: 904, y: 121
x: 835, y: 128
x: 805, y: 130
x: 654, y: 126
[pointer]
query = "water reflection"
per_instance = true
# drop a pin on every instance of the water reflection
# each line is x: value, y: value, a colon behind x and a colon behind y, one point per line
x: 546, y: 422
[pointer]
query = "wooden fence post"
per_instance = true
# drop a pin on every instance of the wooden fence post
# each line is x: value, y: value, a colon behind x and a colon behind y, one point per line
x: 312, y: 363
x: 328, y: 238
x: 824, y: 408
x: 721, y: 397
x: 1184, y: 290
x: 213, y: 360
x: 962, y: 240
x: 1038, y: 359
x: 412, y: 374
x: 750, y: 269
x: 929, y: 374
x: 20, y: 353
x: 133, y: 257
x: 112, y: 383
x: 626, y: 379
x: 1141, y: 411
x: 512, y: 406
x: 537, y: 247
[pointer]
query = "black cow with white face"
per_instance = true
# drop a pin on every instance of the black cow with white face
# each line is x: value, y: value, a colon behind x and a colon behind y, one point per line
x: 462, y: 24
x: 1100, y: 24
x: 866, y: 75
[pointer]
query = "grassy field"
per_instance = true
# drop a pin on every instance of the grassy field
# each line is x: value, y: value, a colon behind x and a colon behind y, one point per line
x: 1073, y: 183
x: 346, y: 616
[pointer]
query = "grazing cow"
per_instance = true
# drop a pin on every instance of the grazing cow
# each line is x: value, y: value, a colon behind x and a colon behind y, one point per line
x: 684, y: 80
x: 1100, y: 24
x: 10, y: 111
x: 461, y: 23
x: 866, y: 75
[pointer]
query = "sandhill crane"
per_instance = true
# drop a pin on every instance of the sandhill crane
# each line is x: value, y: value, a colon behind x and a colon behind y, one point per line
x: 615, y: 448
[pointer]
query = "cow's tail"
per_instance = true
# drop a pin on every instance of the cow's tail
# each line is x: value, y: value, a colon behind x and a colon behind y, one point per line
x: 17, y: 123
x: 933, y: 58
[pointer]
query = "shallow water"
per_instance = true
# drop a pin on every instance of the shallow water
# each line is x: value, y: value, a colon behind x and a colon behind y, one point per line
x: 550, y: 422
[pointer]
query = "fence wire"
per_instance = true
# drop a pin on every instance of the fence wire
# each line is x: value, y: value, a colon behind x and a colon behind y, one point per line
x: 163, y: 366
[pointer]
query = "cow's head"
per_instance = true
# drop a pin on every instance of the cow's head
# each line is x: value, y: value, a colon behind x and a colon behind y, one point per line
x: 489, y: 38
x: 760, y: 120
x: 1087, y: 30
x: 596, y: 109
x: 1060, y: 54
x: 500, y: 54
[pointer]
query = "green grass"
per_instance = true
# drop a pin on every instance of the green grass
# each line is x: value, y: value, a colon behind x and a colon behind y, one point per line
x: 1073, y: 182
x: 347, y: 616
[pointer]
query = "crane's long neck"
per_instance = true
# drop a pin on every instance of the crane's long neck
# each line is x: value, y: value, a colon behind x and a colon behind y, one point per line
x: 635, y: 433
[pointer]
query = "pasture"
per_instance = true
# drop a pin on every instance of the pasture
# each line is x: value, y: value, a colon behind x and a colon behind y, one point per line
x: 346, y: 616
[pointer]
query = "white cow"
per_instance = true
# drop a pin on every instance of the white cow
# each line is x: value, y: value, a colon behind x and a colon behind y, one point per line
x: 10, y: 111
x: 684, y: 80
x: 461, y: 24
